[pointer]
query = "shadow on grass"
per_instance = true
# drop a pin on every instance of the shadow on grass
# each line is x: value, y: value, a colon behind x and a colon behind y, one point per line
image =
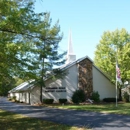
x: 12, y: 121
x: 108, y: 108
x: 69, y: 117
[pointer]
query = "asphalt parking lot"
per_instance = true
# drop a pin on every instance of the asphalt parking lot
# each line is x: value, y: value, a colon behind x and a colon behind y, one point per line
x: 96, y: 121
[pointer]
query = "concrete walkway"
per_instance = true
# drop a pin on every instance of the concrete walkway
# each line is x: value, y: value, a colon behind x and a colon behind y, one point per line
x: 97, y: 121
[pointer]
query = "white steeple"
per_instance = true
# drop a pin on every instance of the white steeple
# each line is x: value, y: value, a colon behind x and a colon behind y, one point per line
x: 70, y: 54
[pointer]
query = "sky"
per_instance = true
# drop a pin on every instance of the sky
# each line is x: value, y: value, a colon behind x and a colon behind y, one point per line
x: 87, y: 19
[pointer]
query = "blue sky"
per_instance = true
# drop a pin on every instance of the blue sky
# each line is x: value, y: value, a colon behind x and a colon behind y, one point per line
x: 88, y: 19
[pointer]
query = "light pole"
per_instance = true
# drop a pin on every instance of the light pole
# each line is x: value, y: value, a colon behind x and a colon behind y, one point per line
x: 116, y: 73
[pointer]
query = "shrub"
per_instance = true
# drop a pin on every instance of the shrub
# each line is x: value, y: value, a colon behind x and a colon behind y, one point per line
x: 62, y: 100
x: 48, y: 101
x: 126, y: 96
x: 17, y: 101
x: 14, y: 98
x: 79, y: 96
x: 110, y: 99
x: 9, y: 99
x: 95, y: 96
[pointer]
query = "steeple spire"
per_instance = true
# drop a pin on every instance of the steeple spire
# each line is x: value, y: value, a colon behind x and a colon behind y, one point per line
x: 70, y: 49
x: 70, y: 54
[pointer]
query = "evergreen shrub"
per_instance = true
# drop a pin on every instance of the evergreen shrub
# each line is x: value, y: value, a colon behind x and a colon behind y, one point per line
x: 126, y: 97
x: 48, y: 101
x: 62, y: 100
x: 110, y: 99
x: 14, y: 98
x: 79, y: 96
x: 95, y: 96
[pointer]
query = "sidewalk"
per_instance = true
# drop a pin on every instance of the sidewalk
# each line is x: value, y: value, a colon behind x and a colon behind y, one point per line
x: 96, y: 121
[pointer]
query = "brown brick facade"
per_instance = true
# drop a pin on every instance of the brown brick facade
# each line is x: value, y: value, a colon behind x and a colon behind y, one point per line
x: 85, y: 77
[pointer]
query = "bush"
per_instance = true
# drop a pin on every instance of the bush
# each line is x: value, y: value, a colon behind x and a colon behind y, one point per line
x: 126, y: 97
x: 95, y: 96
x: 79, y: 96
x: 48, y: 101
x: 62, y: 100
x: 111, y: 99
x: 9, y: 99
x: 17, y: 101
x: 14, y: 98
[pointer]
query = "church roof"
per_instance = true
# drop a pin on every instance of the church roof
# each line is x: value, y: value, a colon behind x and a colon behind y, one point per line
x: 66, y: 66
x: 23, y: 87
x: 26, y: 86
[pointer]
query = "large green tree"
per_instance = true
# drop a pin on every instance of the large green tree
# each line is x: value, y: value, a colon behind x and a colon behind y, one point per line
x: 16, y: 20
x: 28, y: 42
x: 114, y: 45
x: 46, y: 51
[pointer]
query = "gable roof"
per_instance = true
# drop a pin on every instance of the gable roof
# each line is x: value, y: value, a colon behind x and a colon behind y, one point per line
x: 28, y: 85
x: 23, y: 87
x: 66, y: 66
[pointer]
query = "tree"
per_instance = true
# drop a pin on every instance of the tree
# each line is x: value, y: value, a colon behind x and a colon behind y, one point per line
x: 28, y: 42
x: 7, y: 84
x: 15, y: 26
x: 47, y: 51
x: 112, y: 44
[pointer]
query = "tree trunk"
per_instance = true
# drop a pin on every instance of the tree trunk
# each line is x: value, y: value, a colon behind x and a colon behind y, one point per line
x: 29, y: 98
x: 41, y: 82
x: 41, y: 93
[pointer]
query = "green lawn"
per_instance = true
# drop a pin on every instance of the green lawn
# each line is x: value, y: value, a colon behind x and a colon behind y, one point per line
x: 11, y: 121
x: 122, y: 108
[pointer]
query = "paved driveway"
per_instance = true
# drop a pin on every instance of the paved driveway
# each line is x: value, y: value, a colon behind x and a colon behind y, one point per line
x: 97, y: 121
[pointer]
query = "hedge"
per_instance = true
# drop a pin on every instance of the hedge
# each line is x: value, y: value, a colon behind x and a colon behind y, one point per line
x: 48, y: 101
x: 63, y: 100
x: 110, y: 99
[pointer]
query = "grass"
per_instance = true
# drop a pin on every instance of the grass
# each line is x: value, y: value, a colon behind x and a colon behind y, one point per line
x: 122, y: 108
x: 12, y: 121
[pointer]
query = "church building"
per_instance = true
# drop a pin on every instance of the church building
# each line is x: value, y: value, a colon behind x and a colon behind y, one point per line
x: 81, y: 74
